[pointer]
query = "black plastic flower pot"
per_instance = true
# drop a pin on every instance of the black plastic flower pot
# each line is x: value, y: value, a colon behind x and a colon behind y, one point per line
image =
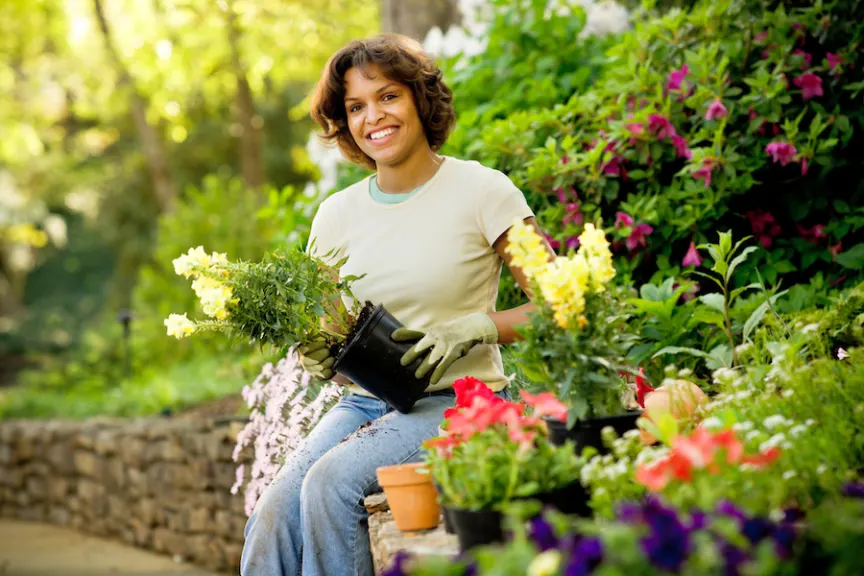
x: 475, y: 527
x: 588, y: 432
x: 570, y: 499
x: 371, y: 359
x: 448, y: 520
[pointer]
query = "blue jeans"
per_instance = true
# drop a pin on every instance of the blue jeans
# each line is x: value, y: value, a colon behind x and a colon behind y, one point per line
x: 311, y: 519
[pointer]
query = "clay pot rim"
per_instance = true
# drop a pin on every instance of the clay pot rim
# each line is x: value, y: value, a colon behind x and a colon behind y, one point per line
x: 403, y: 475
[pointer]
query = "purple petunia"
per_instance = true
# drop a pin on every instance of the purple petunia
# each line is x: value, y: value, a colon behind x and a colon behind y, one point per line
x: 854, y: 490
x: 542, y: 534
x: 585, y: 554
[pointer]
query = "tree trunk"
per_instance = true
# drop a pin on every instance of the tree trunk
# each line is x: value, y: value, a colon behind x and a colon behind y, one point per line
x: 251, y: 124
x: 415, y: 18
x: 154, y: 152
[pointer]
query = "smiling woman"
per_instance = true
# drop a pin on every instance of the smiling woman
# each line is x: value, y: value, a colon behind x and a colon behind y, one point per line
x: 432, y: 254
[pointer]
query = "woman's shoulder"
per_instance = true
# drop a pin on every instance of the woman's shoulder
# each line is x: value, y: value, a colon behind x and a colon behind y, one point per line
x: 345, y: 198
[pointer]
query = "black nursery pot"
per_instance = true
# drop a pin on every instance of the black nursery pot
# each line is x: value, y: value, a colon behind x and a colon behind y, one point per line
x: 587, y: 432
x: 475, y: 527
x: 371, y: 359
x: 448, y: 520
x: 570, y: 499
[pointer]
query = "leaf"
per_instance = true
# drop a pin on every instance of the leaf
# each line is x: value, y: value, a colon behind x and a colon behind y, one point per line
x: 720, y: 357
x: 737, y: 292
x: 681, y: 350
x: 852, y: 258
x: 714, y: 301
x: 703, y: 314
x: 712, y: 278
x: 757, y: 315
x: 739, y: 260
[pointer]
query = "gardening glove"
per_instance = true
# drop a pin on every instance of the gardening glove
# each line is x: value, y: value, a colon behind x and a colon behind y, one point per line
x: 316, y: 359
x: 448, y: 342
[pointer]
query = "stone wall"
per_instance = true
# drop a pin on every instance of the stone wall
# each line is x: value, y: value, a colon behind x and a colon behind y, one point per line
x: 155, y: 483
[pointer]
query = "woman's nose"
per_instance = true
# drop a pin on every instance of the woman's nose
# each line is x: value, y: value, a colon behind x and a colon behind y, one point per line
x: 374, y: 114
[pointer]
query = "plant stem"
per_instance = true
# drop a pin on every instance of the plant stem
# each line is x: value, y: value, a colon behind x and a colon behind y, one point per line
x: 728, y: 322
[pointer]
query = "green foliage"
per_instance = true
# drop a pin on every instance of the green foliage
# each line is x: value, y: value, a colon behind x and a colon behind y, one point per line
x: 579, y: 365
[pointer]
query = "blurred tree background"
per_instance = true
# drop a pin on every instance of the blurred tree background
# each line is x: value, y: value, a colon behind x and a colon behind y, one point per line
x: 132, y: 130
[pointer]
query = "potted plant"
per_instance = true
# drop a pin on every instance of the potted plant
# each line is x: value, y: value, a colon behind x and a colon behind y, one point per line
x: 493, y: 453
x: 575, y: 341
x: 281, y: 301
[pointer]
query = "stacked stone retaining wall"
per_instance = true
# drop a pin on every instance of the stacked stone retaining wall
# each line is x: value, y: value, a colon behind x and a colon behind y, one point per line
x: 159, y: 484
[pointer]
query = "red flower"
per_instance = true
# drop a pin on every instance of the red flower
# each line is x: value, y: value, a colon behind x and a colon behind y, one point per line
x: 804, y: 166
x: 642, y: 389
x: 545, y: 404
x: 810, y: 85
x: 573, y: 215
x: 834, y: 60
x: 835, y: 250
x: 763, y: 459
x: 635, y: 128
x: 468, y: 388
x: 444, y: 444
x: 807, y: 58
x: 764, y: 226
x: 692, y: 258
x: 814, y: 234
x: 553, y: 243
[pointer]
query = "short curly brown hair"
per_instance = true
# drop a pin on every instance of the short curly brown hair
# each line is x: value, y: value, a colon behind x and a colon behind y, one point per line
x: 402, y: 60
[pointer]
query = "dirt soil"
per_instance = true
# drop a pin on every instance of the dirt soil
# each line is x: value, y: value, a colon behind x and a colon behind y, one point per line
x: 31, y: 549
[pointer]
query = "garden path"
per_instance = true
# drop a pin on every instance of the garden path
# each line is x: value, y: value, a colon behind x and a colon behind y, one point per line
x: 31, y: 549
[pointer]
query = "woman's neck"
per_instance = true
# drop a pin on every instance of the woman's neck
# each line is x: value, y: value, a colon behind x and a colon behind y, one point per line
x: 410, y: 173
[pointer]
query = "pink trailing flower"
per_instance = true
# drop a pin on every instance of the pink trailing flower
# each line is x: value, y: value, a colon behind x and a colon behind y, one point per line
x: 810, y: 85
x: 638, y: 236
x: 764, y: 226
x: 716, y: 110
x: 834, y: 60
x: 676, y: 77
x: 682, y: 149
x: 812, y: 234
x: 704, y: 171
x: 573, y: 215
x: 782, y: 152
x: 660, y: 126
x: 622, y: 220
x: 806, y: 56
x: 692, y: 258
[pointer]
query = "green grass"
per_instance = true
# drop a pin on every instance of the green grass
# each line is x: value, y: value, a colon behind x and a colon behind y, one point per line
x: 174, y: 388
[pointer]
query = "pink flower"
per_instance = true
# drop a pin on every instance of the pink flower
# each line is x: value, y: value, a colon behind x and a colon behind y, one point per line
x: 573, y: 215
x: 676, y: 77
x: 806, y: 56
x: 638, y: 236
x: 716, y: 110
x: 660, y: 126
x: 760, y: 36
x: 704, y: 172
x: 614, y: 167
x: 834, y: 60
x: 810, y: 85
x: 835, y: 250
x: 764, y: 226
x: 692, y: 257
x: 623, y: 219
x: 682, y: 150
x: 804, y: 166
x: 545, y: 404
x: 555, y: 244
x: 782, y: 152
x: 635, y: 128
x: 572, y: 243
x: 813, y: 234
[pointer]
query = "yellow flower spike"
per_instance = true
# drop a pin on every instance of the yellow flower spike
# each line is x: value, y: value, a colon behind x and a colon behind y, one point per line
x: 179, y: 326
x: 526, y: 248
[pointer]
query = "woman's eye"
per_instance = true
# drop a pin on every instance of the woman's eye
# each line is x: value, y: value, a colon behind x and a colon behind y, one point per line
x: 354, y: 108
x: 389, y: 96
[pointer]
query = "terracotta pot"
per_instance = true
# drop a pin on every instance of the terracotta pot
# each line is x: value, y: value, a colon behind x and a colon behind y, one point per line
x: 411, y: 496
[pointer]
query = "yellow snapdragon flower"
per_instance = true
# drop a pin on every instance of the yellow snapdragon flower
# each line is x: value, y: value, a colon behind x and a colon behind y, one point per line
x: 526, y: 248
x: 214, y: 296
x: 185, y: 264
x: 179, y: 326
x: 563, y: 284
x: 595, y: 247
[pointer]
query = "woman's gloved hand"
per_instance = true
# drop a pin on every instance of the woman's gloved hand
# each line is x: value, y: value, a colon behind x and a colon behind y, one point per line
x: 316, y: 359
x: 448, y: 342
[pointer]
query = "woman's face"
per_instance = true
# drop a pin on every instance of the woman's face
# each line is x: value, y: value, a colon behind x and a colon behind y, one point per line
x: 382, y: 116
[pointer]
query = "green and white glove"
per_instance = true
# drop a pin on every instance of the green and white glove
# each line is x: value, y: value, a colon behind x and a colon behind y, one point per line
x: 448, y: 342
x: 316, y: 360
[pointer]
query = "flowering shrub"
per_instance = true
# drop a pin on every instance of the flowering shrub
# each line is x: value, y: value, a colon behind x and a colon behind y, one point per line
x: 283, y: 408
x: 278, y: 301
x: 575, y: 341
x: 493, y: 452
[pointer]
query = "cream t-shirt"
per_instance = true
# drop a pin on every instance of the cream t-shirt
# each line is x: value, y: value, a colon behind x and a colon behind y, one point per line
x: 428, y: 259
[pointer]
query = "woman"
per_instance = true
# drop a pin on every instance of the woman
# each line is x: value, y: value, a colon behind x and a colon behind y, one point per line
x: 429, y: 233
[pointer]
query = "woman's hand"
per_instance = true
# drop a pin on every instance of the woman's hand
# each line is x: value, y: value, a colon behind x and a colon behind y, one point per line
x: 448, y: 342
x: 316, y: 360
